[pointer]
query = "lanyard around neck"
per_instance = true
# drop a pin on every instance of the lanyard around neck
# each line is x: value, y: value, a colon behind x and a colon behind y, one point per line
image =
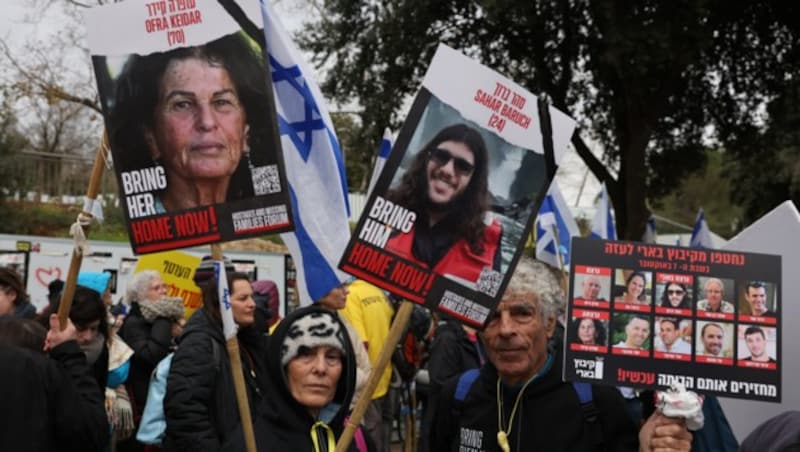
x: 502, y: 434
x: 328, y: 434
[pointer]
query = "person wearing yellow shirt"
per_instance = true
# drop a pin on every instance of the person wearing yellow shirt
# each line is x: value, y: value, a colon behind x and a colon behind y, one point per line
x: 369, y: 311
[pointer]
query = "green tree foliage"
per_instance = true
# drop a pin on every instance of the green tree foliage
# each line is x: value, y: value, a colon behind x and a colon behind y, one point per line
x: 710, y: 188
x: 645, y: 79
x: 11, y: 143
x: 357, y: 157
x: 766, y: 163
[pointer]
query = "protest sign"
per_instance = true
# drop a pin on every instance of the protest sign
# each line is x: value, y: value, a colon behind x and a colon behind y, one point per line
x: 707, y: 319
x: 191, y: 121
x: 776, y: 233
x: 451, y: 210
x: 177, y: 271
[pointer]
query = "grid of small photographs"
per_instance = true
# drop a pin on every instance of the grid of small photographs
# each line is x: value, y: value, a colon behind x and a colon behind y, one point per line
x: 677, y: 317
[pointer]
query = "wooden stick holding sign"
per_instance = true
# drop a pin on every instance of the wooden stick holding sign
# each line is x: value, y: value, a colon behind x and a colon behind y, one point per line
x: 80, y: 228
x: 232, y: 345
x: 398, y: 327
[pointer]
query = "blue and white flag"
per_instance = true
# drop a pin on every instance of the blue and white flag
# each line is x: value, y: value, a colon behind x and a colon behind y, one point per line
x: 229, y: 327
x: 603, y: 222
x: 380, y: 161
x: 314, y: 167
x: 701, y: 235
x: 649, y: 235
x: 555, y: 226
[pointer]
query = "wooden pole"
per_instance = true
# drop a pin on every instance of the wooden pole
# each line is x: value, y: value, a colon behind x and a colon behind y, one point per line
x: 398, y: 327
x: 232, y: 345
x: 77, y: 257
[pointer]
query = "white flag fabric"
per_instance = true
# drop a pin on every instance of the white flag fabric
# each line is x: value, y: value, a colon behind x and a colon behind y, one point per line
x: 380, y: 161
x: 314, y: 167
x: 603, y: 222
x: 229, y: 327
x: 555, y: 226
x: 701, y: 235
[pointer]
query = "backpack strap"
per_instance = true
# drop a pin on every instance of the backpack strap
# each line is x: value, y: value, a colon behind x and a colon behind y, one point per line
x: 465, y: 381
x: 590, y: 412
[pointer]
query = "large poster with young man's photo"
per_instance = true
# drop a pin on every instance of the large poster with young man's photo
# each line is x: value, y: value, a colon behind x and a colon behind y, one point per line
x: 648, y: 316
x: 190, y: 117
x: 455, y: 202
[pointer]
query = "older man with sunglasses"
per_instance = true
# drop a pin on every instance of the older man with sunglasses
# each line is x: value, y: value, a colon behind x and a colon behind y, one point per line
x: 518, y: 401
x: 447, y: 188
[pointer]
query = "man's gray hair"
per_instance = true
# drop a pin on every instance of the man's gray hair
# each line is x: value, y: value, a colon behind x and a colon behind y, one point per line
x: 138, y: 285
x: 532, y: 277
x: 715, y: 281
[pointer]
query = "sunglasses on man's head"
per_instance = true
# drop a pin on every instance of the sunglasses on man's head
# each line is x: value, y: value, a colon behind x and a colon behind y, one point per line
x: 442, y: 156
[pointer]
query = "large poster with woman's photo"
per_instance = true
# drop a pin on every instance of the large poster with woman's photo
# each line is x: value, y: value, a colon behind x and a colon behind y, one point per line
x: 455, y: 202
x: 190, y: 119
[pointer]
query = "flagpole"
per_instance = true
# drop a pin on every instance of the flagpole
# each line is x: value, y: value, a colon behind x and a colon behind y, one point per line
x: 79, y: 230
x: 395, y: 332
x: 232, y: 345
x: 560, y: 259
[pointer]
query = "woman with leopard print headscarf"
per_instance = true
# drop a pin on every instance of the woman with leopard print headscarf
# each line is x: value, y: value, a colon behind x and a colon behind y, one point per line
x: 312, y: 369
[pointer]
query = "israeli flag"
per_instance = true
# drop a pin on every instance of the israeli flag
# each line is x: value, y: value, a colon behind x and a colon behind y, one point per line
x: 554, y: 229
x: 701, y: 235
x: 380, y: 161
x: 603, y: 222
x: 650, y: 230
x: 314, y: 167
x: 229, y: 327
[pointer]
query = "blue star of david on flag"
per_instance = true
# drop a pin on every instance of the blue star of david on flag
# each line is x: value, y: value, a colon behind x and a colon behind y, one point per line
x: 314, y: 167
x: 555, y: 227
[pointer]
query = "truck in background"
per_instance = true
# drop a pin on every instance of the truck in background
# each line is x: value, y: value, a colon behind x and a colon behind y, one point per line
x: 40, y: 260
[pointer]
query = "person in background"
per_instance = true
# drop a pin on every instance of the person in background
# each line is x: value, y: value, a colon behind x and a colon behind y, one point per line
x: 13, y: 298
x: 152, y: 323
x: 88, y: 314
x: 200, y: 404
x: 370, y: 313
x: 49, y: 402
x: 53, y: 298
x: 780, y: 433
x: 265, y: 293
x: 455, y: 349
x: 98, y: 328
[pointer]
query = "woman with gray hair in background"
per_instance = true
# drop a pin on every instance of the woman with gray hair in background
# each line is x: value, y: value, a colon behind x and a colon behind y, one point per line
x: 152, y: 322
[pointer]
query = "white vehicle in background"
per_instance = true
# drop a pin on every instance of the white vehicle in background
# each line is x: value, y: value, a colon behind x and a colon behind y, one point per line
x: 40, y: 260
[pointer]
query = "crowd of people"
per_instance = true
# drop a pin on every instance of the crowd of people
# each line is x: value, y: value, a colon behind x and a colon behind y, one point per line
x: 88, y: 383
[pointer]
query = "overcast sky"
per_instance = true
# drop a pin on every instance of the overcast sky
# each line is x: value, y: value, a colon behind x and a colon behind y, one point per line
x: 15, y: 27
